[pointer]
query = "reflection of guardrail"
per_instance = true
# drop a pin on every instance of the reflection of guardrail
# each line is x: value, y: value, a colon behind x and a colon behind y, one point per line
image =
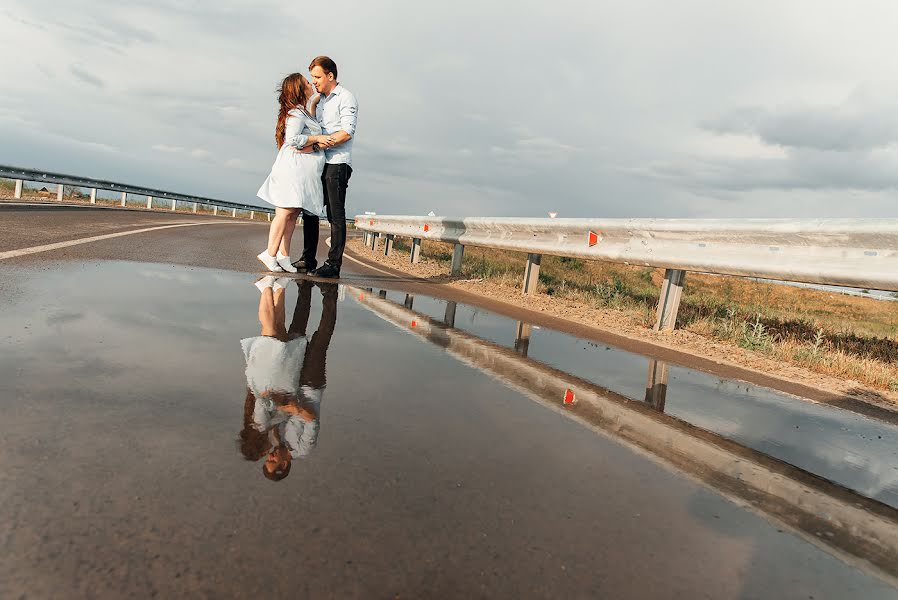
x: 152, y: 195
x: 860, y: 253
x: 828, y: 514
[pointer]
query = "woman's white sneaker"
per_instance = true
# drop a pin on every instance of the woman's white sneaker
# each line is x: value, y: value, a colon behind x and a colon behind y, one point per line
x: 265, y: 282
x: 270, y: 262
x: 284, y: 262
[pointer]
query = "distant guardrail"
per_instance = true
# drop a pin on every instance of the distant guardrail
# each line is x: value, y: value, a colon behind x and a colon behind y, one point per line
x: 861, y: 253
x: 152, y: 195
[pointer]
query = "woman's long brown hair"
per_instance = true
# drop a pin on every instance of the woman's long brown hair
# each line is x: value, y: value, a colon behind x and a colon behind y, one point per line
x: 252, y: 443
x: 292, y: 94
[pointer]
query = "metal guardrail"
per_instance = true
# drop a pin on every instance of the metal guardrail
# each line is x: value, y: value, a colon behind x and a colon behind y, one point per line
x: 860, y: 253
x: 22, y: 175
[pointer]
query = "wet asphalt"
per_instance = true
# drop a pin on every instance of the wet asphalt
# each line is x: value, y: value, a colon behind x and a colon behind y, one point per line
x: 433, y: 472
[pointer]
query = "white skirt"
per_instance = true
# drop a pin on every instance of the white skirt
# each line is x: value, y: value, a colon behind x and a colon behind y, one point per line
x: 295, y: 181
x: 273, y: 365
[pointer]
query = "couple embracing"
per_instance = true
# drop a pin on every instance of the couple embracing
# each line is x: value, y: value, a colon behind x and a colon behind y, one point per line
x: 310, y: 175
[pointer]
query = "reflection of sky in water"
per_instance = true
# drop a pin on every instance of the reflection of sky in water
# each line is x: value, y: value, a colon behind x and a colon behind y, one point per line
x: 85, y: 324
x: 850, y: 449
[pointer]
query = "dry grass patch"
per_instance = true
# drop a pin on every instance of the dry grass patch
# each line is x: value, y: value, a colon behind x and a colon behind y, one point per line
x: 834, y: 334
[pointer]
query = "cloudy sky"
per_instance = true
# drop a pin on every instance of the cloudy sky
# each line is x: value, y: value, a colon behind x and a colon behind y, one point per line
x: 694, y: 108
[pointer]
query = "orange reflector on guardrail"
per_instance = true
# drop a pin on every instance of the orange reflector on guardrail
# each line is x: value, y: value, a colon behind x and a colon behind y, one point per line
x: 371, y: 222
x: 594, y: 238
x: 426, y: 227
x: 569, y: 397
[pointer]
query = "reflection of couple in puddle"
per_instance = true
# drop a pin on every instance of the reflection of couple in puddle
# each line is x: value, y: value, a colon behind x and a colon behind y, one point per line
x: 285, y: 376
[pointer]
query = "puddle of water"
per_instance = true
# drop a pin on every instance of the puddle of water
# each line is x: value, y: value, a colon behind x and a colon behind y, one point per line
x: 133, y: 457
x: 858, y: 452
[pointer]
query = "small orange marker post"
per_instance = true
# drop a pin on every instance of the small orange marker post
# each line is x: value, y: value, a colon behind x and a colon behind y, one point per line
x: 414, y: 323
x: 569, y: 397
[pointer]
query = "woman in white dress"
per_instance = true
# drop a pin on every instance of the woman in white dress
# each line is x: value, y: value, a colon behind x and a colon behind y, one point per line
x: 294, y: 183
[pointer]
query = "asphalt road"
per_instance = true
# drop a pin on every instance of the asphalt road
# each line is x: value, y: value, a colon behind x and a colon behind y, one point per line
x: 118, y: 475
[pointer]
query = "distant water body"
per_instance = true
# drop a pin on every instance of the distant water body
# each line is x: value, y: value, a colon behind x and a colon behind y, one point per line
x: 875, y: 294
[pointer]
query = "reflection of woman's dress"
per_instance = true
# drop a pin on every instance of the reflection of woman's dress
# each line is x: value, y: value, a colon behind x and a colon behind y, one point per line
x: 295, y: 179
x: 275, y: 366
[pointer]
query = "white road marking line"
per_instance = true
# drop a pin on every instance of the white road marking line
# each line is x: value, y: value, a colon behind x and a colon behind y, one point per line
x: 97, y: 238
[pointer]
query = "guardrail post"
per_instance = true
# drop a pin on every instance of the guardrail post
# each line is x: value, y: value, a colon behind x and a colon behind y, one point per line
x: 149, y: 200
x: 388, y: 244
x: 174, y: 205
x: 252, y: 215
x: 374, y: 237
x: 93, y: 195
x: 234, y: 213
x: 669, y: 302
x: 365, y: 239
x: 656, y: 386
x: 522, y: 338
x: 416, y: 251
x: 214, y: 209
x: 449, y: 317
x: 124, y: 199
x: 457, y: 254
x: 531, y: 273
x: 60, y: 189
x: 409, y: 301
x: 194, y: 208
x: 19, y: 185
x: 269, y: 217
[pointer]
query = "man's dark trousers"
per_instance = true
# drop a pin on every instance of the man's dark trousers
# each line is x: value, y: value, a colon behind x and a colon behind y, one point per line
x: 334, y: 180
x: 313, y: 372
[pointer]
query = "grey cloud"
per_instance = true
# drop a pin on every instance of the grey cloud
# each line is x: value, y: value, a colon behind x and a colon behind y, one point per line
x: 86, y: 77
x: 204, y: 113
x: 232, y: 17
x: 836, y: 128
x: 86, y: 26
x: 801, y: 169
x: 533, y: 151
x: 108, y: 30
x: 27, y: 22
x: 63, y: 317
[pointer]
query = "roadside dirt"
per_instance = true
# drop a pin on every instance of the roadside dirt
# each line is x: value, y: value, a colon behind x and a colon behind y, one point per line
x: 749, y: 366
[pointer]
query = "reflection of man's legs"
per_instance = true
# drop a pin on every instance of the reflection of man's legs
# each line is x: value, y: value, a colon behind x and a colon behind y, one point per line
x: 301, y: 312
x: 336, y: 179
x: 313, y: 368
x: 272, y: 313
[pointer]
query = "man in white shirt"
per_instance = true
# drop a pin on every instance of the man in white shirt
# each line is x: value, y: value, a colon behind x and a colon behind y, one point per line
x: 337, y: 112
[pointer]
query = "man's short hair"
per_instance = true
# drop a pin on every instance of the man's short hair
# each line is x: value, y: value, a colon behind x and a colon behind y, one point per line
x: 325, y: 63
